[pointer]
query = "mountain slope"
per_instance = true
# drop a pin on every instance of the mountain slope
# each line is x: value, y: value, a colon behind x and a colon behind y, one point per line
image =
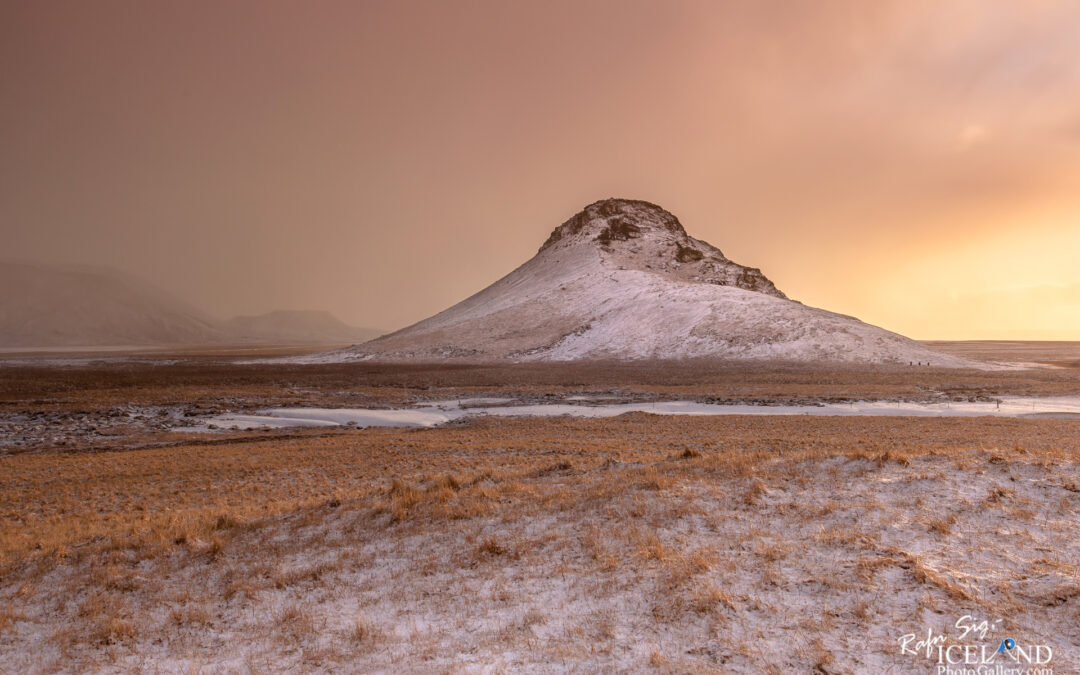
x: 623, y: 280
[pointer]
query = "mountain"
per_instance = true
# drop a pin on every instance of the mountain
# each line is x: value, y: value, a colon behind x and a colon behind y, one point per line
x: 296, y: 326
x: 623, y: 280
x: 52, y: 306
x: 68, y: 306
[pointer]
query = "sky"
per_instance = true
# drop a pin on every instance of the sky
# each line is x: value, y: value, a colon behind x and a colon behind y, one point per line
x: 914, y: 163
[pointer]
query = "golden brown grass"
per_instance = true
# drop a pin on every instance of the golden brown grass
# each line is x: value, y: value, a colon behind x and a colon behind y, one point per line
x: 271, y: 528
x: 190, y: 495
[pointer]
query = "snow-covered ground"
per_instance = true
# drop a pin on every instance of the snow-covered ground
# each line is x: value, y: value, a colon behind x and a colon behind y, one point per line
x: 727, y: 564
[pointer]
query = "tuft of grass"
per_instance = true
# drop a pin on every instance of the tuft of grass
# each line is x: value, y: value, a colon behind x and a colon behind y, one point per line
x: 363, y: 631
x: 755, y: 492
x: 490, y: 547
x: 889, y: 456
x: 710, y: 600
x: 942, y: 527
x: 924, y: 574
x: 771, y: 576
x: 295, y: 625
x: 862, y: 610
x: 772, y: 552
x: 651, y: 547
x: 403, y: 497
x: 450, y: 482
x: 283, y: 579
x: 111, y: 631
x: 703, y: 559
x: 213, y: 550
x: 598, y: 550
x: 225, y: 522
x: 114, y: 578
x: 821, y: 657
x: 867, y: 568
x: 998, y: 495
x: 189, y: 615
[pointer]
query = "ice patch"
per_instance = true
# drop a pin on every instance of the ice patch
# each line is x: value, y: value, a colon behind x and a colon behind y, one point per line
x: 465, y: 402
x: 329, y: 417
x: 434, y: 413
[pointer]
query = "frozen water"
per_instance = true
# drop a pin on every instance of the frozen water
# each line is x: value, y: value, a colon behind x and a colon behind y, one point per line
x: 439, y: 412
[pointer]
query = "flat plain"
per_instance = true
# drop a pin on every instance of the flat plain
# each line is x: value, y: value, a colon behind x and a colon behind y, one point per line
x: 641, y: 542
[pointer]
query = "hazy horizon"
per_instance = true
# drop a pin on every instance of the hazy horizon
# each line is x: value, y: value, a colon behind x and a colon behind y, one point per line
x: 913, y: 164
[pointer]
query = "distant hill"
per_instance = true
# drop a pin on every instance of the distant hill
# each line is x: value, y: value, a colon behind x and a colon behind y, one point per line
x: 296, y: 326
x: 67, y: 306
x: 51, y: 306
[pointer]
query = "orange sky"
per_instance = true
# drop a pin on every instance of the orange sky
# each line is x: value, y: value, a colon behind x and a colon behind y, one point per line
x: 915, y: 164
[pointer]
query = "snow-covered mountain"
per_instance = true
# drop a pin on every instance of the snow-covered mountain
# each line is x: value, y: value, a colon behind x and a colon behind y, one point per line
x: 51, y: 306
x: 623, y: 280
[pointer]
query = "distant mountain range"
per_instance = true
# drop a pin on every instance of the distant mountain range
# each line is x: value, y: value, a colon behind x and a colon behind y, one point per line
x: 49, y: 306
x: 296, y: 327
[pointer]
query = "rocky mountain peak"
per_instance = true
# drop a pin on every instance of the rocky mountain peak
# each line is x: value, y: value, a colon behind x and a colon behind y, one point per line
x: 635, y: 234
x: 611, y: 220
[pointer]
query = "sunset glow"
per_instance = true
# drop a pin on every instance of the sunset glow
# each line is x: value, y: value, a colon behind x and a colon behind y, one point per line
x: 914, y: 164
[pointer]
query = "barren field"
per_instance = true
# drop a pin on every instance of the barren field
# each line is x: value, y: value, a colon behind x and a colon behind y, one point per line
x: 675, y: 544
x: 83, y: 402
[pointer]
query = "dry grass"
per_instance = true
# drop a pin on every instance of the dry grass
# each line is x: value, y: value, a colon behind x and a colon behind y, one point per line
x: 942, y: 526
x: 743, y: 544
x: 157, y: 498
x: 363, y: 631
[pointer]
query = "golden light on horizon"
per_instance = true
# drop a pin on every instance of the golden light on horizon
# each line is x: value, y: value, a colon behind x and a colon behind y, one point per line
x: 1021, y: 281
